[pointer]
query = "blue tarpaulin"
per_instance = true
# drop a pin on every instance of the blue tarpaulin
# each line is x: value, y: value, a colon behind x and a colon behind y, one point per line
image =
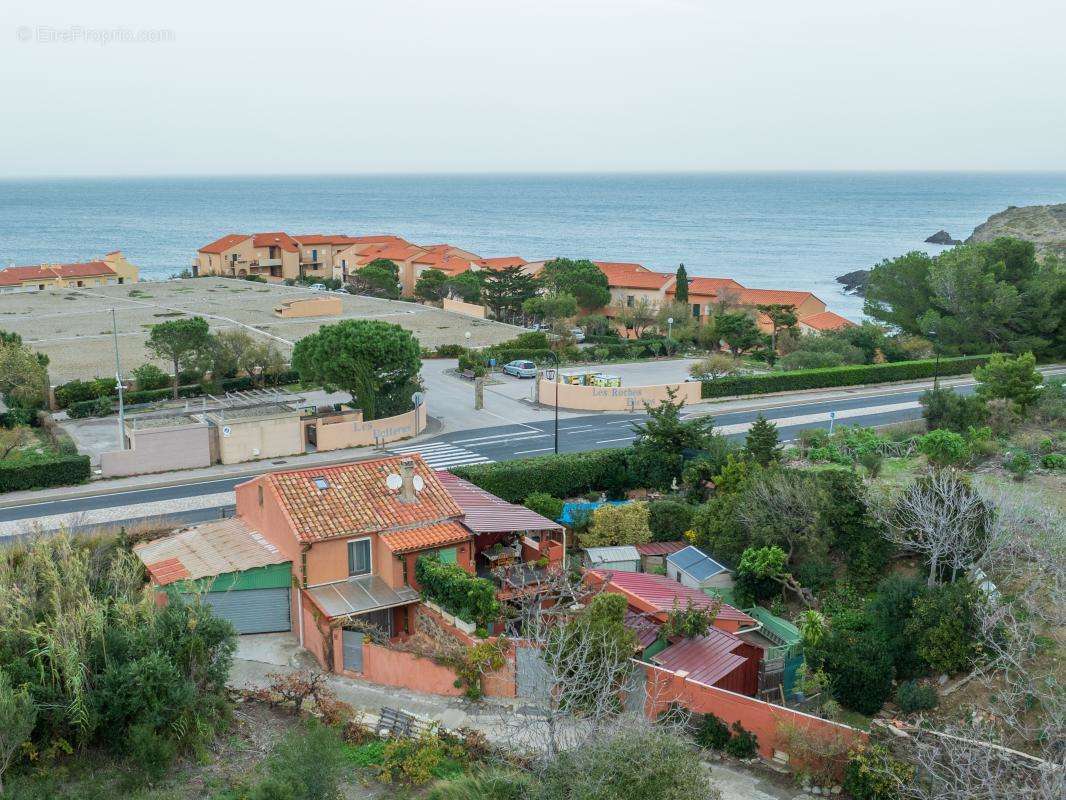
x: 570, y: 509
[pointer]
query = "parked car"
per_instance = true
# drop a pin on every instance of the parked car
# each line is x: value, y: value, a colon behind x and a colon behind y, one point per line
x: 318, y: 287
x: 578, y: 334
x: 521, y: 369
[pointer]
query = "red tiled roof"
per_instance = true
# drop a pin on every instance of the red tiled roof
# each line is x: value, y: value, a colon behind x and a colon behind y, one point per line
x: 754, y: 297
x: 712, y: 286
x: 356, y: 499
x: 660, y: 548
x: 393, y: 251
x: 425, y: 537
x: 620, y: 267
x: 275, y: 239
x: 486, y: 513
x: 661, y: 594
x: 14, y: 276
x: 501, y: 262
x: 225, y: 243
x: 633, y: 276
x: 706, y: 659
x: 826, y: 321
x: 448, y: 264
x: 325, y: 238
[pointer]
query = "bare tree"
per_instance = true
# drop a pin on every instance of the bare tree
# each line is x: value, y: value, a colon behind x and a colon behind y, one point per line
x: 781, y: 510
x: 941, y: 517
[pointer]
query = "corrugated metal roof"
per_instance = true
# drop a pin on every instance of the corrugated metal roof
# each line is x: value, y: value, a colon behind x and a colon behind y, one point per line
x: 660, y: 548
x: 206, y: 550
x: 611, y: 555
x: 484, y: 512
x: 644, y: 627
x: 696, y: 563
x: 706, y: 659
x: 359, y: 596
x: 662, y: 594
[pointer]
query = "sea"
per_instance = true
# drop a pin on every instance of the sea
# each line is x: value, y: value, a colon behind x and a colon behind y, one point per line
x: 769, y: 230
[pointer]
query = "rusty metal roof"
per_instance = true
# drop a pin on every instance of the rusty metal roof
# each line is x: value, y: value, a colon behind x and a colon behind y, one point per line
x: 206, y: 550
x: 658, y: 593
x: 706, y: 659
x: 484, y: 512
x: 643, y: 626
x: 660, y: 548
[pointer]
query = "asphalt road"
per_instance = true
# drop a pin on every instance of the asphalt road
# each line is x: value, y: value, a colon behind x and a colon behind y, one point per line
x: 486, y: 445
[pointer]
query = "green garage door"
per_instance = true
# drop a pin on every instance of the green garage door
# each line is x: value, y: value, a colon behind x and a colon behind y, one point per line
x: 253, y: 610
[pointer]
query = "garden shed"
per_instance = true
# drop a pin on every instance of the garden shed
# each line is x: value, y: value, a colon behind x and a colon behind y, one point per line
x: 622, y: 558
x: 695, y: 569
x: 242, y: 576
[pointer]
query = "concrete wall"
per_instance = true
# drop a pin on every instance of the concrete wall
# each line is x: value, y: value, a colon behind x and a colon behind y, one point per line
x: 160, y: 450
x: 348, y: 429
x: 762, y: 719
x: 469, y: 309
x: 421, y: 674
x: 253, y: 438
x: 606, y: 398
x: 309, y: 307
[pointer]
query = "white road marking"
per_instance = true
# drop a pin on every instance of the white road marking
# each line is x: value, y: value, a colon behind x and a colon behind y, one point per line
x: 538, y: 450
x: 442, y: 455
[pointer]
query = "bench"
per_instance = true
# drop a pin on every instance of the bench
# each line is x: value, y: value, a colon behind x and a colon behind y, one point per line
x: 468, y: 374
x: 393, y: 722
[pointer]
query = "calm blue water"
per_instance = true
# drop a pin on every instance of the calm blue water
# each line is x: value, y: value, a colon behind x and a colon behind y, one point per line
x: 789, y: 230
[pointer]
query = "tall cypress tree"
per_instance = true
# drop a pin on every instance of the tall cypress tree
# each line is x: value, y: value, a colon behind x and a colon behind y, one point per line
x: 681, y: 286
x: 762, y: 442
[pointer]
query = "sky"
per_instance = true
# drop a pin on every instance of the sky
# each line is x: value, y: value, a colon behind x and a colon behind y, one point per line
x: 118, y: 88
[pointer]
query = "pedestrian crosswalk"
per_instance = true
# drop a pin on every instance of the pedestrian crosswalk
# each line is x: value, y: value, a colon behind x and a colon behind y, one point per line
x: 441, y: 455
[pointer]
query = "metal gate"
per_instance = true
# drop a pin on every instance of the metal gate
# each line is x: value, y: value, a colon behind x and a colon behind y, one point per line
x: 253, y: 610
x: 352, y: 642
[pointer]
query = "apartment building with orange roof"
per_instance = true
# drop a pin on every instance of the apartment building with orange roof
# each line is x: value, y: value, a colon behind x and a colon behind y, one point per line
x: 112, y: 269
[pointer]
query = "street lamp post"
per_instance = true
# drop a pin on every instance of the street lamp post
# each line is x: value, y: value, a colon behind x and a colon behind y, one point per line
x: 669, y: 327
x: 936, y: 364
x: 118, y: 386
x: 558, y: 377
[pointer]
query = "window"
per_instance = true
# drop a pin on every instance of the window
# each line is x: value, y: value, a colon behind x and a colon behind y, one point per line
x: 696, y: 310
x: 314, y: 255
x: 359, y: 557
x: 630, y: 300
x: 260, y: 494
x: 447, y: 556
x: 320, y: 483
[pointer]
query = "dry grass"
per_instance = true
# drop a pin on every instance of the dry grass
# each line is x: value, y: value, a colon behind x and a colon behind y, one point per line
x: 73, y: 327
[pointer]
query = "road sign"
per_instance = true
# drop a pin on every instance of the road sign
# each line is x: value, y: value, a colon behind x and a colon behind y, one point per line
x: 226, y: 430
x: 832, y: 419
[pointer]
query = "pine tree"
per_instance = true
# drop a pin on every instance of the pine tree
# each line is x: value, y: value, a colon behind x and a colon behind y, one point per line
x: 761, y: 442
x: 681, y: 285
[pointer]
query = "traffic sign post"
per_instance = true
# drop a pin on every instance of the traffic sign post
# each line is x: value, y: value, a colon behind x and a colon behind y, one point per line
x: 832, y: 419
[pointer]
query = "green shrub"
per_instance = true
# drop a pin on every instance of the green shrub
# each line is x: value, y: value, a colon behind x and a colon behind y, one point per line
x: 944, y: 448
x: 912, y: 696
x: 506, y: 355
x: 731, y: 385
x: 450, y: 351
x: 489, y: 785
x: 545, y: 505
x: 151, y: 750
x: 99, y: 407
x: 944, y: 627
x: 59, y: 471
x: 669, y: 519
x: 744, y: 743
x: 468, y: 597
x: 711, y: 733
x: 309, y: 761
x: 78, y: 391
x: 563, y: 475
x: 857, y: 662
x: 946, y: 408
x: 1053, y: 461
x: 873, y: 774
x: 149, y: 376
x: 1019, y: 464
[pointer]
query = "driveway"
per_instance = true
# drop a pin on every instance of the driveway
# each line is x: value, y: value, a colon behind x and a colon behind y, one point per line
x: 261, y: 654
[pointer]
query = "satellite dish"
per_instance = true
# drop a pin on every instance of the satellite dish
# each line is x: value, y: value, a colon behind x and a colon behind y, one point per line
x: 419, y: 483
x: 417, y: 399
x: 394, y: 481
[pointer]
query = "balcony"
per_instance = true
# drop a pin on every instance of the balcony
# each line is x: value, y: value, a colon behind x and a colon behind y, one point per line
x: 266, y: 262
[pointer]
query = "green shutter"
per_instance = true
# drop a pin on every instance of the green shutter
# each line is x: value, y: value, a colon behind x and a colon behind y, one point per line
x: 272, y: 576
x: 448, y: 556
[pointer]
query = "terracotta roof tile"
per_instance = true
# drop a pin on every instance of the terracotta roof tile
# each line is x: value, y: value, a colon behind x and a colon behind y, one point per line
x: 225, y: 243
x: 501, y: 262
x: 826, y: 321
x: 275, y: 239
x: 711, y: 286
x: 754, y: 297
x: 425, y: 537
x: 356, y: 500
x: 13, y: 276
x: 325, y: 238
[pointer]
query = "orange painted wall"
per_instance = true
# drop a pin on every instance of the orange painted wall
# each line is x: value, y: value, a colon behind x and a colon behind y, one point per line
x: 410, y: 671
x: 268, y: 519
x: 762, y: 719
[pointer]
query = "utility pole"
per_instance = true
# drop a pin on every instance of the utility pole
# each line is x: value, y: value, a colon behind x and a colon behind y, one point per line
x: 118, y: 385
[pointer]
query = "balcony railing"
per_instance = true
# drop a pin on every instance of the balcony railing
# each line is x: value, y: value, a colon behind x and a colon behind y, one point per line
x: 266, y: 262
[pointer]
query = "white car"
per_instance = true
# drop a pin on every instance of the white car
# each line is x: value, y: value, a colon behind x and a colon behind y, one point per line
x: 318, y: 287
x: 521, y: 369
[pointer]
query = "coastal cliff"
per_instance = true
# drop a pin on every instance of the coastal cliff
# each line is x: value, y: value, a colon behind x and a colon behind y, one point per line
x: 1044, y: 226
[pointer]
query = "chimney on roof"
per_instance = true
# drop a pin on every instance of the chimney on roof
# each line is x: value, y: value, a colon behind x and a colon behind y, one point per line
x: 407, y: 475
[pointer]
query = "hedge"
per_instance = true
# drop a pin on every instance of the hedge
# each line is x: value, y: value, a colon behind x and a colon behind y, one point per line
x: 78, y: 391
x: 837, y: 376
x: 458, y: 592
x: 505, y: 356
x: 58, y: 471
x: 563, y: 475
x: 100, y: 407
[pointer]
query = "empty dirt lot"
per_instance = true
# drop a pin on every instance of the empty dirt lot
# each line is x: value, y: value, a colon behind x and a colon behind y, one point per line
x: 73, y: 326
